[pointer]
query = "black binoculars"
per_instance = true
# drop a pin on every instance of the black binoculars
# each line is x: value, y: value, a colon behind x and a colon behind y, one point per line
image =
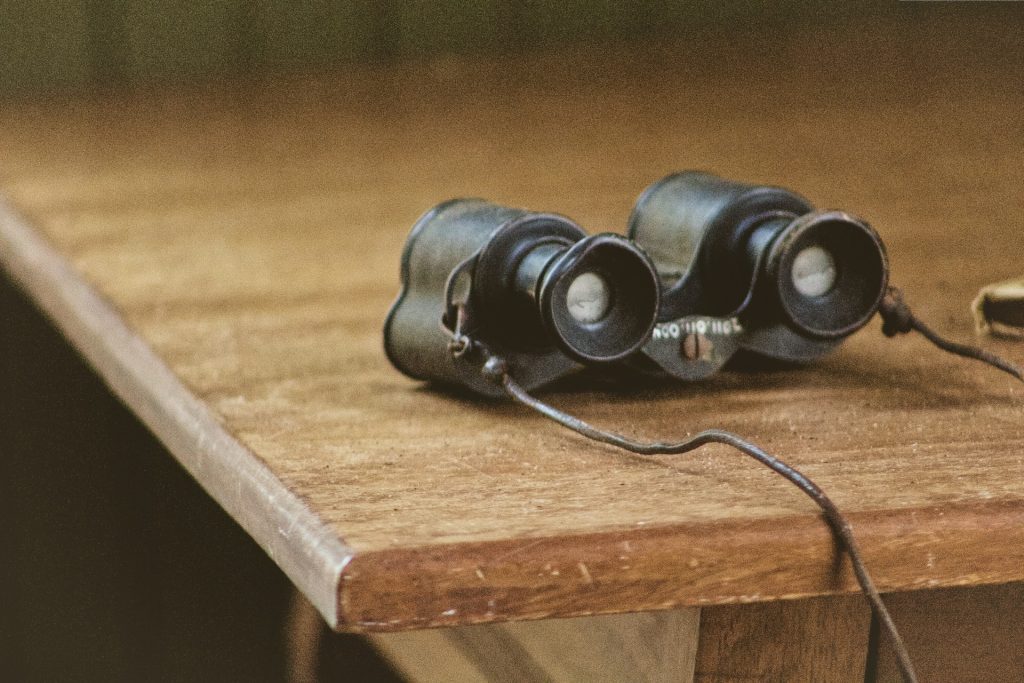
x: 711, y: 267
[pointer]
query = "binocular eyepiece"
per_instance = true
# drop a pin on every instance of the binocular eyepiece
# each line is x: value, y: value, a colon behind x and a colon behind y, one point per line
x: 829, y: 271
x: 758, y: 266
x: 532, y: 287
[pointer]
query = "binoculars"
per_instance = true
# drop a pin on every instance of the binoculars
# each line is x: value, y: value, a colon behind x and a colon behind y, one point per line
x: 711, y: 267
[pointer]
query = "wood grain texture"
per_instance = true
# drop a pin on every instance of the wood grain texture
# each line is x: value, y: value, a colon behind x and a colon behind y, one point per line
x: 225, y: 257
x: 653, y: 647
x: 824, y: 640
x: 959, y: 635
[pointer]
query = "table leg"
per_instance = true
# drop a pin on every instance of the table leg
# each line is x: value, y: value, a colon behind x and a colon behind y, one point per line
x: 959, y: 635
x: 824, y: 640
x: 652, y: 646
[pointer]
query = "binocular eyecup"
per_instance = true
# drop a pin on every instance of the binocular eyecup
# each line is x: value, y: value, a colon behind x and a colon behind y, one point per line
x: 595, y: 298
x: 599, y: 298
x: 828, y: 270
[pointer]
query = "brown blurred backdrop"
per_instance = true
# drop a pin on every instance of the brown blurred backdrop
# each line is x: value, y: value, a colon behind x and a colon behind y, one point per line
x: 85, y: 44
x: 80, y: 598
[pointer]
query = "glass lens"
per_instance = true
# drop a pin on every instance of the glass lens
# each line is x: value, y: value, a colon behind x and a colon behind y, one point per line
x: 814, y: 271
x: 588, y: 298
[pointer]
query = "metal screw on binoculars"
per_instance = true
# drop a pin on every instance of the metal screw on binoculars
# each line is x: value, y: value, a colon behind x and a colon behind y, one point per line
x: 530, y: 287
x: 754, y: 268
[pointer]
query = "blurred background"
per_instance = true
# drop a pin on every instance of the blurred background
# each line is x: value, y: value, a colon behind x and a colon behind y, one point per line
x: 71, y: 606
x: 99, y: 44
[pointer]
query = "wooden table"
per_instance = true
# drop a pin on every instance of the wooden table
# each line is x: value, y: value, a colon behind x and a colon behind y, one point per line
x: 224, y: 257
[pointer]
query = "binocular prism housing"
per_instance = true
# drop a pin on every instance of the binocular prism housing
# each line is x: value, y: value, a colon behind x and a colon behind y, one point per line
x: 532, y: 288
x: 754, y: 268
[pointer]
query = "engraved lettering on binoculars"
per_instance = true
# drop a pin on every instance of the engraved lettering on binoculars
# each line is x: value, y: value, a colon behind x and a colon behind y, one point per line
x: 715, y: 326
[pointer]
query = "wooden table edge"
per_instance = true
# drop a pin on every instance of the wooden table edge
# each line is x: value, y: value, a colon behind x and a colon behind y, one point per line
x: 677, y: 566
x: 300, y: 543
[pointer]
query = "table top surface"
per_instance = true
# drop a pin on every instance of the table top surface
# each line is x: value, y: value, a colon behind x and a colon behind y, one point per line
x: 225, y: 256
